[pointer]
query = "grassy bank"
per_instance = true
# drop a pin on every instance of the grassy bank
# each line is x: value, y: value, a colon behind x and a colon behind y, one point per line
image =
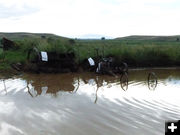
x: 136, y: 53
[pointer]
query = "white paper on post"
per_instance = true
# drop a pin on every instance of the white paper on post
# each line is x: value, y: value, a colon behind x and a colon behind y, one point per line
x: 44, y: 56
x: 91, y: 62
x: 98, y: 68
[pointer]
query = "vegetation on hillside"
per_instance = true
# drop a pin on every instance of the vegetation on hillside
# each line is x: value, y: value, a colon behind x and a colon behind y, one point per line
x: 136, y: 53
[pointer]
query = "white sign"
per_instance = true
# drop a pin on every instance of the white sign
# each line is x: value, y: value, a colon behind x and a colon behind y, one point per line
x: 44, y: 56
x: 91, y: 62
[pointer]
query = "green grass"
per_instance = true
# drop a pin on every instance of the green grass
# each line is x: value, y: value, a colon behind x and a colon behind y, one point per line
x: 15, y: 57
x: 136, y: 53
x: 4, y: 66
x: 1, y: 50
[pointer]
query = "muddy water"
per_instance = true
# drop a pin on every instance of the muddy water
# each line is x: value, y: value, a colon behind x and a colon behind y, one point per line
x: 87, y: 104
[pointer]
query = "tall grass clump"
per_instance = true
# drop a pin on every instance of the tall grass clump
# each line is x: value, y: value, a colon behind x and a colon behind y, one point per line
x: 144, y: 54
x: 11, y: 57
x: 134, y: 53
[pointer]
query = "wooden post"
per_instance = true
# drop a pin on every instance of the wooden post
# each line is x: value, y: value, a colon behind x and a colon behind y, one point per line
x: 97, y: 53
x: 78, y: 55
x: 103, y: 39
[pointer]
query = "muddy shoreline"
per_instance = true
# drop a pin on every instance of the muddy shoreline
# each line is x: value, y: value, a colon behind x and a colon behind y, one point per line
x: 13, y: 72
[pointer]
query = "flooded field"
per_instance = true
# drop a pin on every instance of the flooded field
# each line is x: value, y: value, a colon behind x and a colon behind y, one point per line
x: 88, y: 104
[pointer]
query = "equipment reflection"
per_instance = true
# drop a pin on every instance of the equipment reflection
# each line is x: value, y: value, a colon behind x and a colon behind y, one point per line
x: 52, y: 84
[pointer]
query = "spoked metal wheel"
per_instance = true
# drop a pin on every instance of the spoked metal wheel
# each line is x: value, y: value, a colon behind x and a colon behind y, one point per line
x: 32, y: 92
x: 124, y: 81
x: 124, y: 67
x: 152, y: 81
x: 77, y: 88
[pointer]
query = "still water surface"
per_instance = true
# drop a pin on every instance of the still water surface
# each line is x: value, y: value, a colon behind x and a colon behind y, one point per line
x: 88, y: 104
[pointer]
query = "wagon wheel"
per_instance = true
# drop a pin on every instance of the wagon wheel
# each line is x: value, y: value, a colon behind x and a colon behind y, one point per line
x: 5, y: 89
x: 152, y: 81
x: 74, y: 91
x: 124, y: 81
x: 31, y: 92
x: 124, y: 67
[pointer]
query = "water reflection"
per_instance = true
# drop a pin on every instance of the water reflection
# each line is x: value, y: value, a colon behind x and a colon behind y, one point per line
x: 39, y: 84
x: 152, y: 81
x: 4, y: 86
x: 124, y: 81
x: 43, y: 84
x: 5, y: 89
x: 65, y: 102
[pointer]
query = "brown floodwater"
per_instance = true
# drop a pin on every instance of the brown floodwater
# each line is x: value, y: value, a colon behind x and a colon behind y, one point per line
x: 88, y: 104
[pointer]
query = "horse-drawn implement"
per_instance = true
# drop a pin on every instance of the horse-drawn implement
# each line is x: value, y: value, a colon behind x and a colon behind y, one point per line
x: 51, y: 61
x: 66, y: 62
x: 54, y: 62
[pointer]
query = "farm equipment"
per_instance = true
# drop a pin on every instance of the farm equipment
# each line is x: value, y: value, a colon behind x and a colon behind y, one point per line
x: 107, y: 65
x: 152, y: 81
x: 51, y: 61
x: 110, y: 66
x: 8, y: 44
